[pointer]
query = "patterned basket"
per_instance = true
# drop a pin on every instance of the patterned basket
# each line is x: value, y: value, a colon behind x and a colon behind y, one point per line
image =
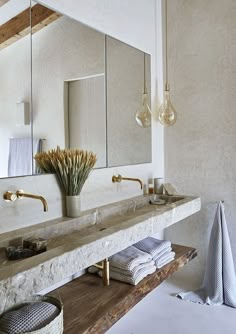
x: 56, y: 325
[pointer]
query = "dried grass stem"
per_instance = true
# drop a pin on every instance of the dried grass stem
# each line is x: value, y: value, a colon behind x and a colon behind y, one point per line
x: 71, y: 166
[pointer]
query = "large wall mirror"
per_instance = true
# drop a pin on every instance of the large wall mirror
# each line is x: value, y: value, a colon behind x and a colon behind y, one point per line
x: 86, y: 90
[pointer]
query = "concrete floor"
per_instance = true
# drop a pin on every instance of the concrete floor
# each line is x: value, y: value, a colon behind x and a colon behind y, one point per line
x: 162, y: 313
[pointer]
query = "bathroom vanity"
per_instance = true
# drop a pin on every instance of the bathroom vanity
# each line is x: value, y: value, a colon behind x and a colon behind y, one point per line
x: 75, y: 244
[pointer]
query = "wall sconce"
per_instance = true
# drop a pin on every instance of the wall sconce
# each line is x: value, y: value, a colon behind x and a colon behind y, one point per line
x: 22, y: 114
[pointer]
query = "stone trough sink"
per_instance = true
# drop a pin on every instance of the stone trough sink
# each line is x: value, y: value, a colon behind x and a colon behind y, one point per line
x: 76, y: 243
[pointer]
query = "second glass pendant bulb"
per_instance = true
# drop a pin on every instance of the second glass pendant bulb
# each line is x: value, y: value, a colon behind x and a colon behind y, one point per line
x: 167, y: 114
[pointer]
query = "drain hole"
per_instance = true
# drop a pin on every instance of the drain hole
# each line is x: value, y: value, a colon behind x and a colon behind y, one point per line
x: 102, y: 229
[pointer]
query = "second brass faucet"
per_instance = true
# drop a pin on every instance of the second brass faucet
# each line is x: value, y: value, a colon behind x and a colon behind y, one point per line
x: 119, y: 178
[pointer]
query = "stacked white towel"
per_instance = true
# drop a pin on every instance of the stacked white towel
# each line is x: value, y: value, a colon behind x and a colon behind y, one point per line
x: 129, y: 258
x: 160, y: 250
x: 131, y: 265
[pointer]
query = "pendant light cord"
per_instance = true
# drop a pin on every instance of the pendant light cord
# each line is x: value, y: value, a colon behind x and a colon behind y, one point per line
x: 144, y: 74
x: 166, y: 25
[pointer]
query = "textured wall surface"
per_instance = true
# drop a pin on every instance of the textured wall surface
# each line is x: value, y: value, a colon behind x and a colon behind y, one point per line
x: 200, y: 149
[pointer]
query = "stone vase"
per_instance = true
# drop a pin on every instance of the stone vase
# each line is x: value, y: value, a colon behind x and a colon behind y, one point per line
x: 72, y: 206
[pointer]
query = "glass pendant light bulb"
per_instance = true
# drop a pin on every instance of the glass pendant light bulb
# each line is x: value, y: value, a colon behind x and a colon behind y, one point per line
x: 167, y: 114
x: 144, y: 116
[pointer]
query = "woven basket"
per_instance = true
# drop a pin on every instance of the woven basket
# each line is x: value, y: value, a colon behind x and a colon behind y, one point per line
x: 56, y: 325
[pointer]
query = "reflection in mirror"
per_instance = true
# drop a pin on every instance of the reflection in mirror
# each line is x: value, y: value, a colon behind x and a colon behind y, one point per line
x: 128, y: 144
x: 69, y: 87
x: 15, y: 92
x: 87, y: 89
x: 87, y: 116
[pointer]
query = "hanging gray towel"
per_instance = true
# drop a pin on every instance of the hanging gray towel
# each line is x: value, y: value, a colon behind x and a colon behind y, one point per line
x: 219, y: 284
x: 20, y: 155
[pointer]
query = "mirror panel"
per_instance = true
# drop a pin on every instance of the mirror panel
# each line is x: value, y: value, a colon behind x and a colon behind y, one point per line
x: 127, y: 142
x: 15, y: 92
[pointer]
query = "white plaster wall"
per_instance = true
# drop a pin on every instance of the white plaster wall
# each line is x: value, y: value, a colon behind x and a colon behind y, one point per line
x: 200, y: 149
x: 141, y: 27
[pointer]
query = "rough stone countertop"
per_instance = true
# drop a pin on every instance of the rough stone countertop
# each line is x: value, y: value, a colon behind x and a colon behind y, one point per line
x: 76, y: 243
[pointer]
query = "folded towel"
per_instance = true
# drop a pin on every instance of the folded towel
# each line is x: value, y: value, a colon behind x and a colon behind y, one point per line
x: 133, y: 280
x: 134, y: 271
x: 152, y: 246
x: 167, y: 250
x: 129, y: 258
x: 164, y: 259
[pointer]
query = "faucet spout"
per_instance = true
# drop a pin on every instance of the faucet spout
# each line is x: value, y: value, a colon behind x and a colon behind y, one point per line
x: 119, y: 178
x: 21, y: 194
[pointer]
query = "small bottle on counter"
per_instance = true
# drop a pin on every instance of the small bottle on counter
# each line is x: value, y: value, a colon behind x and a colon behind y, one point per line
x: 150, y: 186
x: 145, y: 189
x: 158, y: 185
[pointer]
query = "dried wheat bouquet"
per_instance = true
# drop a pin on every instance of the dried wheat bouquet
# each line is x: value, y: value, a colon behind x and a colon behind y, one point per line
x: 71, y: 166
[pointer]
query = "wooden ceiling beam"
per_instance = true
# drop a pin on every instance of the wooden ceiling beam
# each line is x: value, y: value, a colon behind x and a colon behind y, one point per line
x: 19, y: 26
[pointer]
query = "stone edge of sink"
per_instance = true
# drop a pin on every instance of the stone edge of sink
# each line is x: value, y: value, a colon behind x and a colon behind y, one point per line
x: 29, y: 231
x: 70, y: 245
x: 47, y: 272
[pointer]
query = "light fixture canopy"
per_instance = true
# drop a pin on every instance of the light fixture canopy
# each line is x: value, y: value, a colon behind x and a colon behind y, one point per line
x: 167, y: 114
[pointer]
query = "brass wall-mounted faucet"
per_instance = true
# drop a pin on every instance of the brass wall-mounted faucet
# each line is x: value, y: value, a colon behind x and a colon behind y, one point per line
x: 119, y: 178
x: 10, y: 196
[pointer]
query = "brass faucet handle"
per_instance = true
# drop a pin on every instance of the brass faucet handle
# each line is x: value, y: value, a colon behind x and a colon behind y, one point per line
x: 9, y: 196
x: 116, y: 178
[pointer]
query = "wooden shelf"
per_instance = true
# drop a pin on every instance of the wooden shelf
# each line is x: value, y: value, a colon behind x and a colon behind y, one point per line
x: 90, y: 307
